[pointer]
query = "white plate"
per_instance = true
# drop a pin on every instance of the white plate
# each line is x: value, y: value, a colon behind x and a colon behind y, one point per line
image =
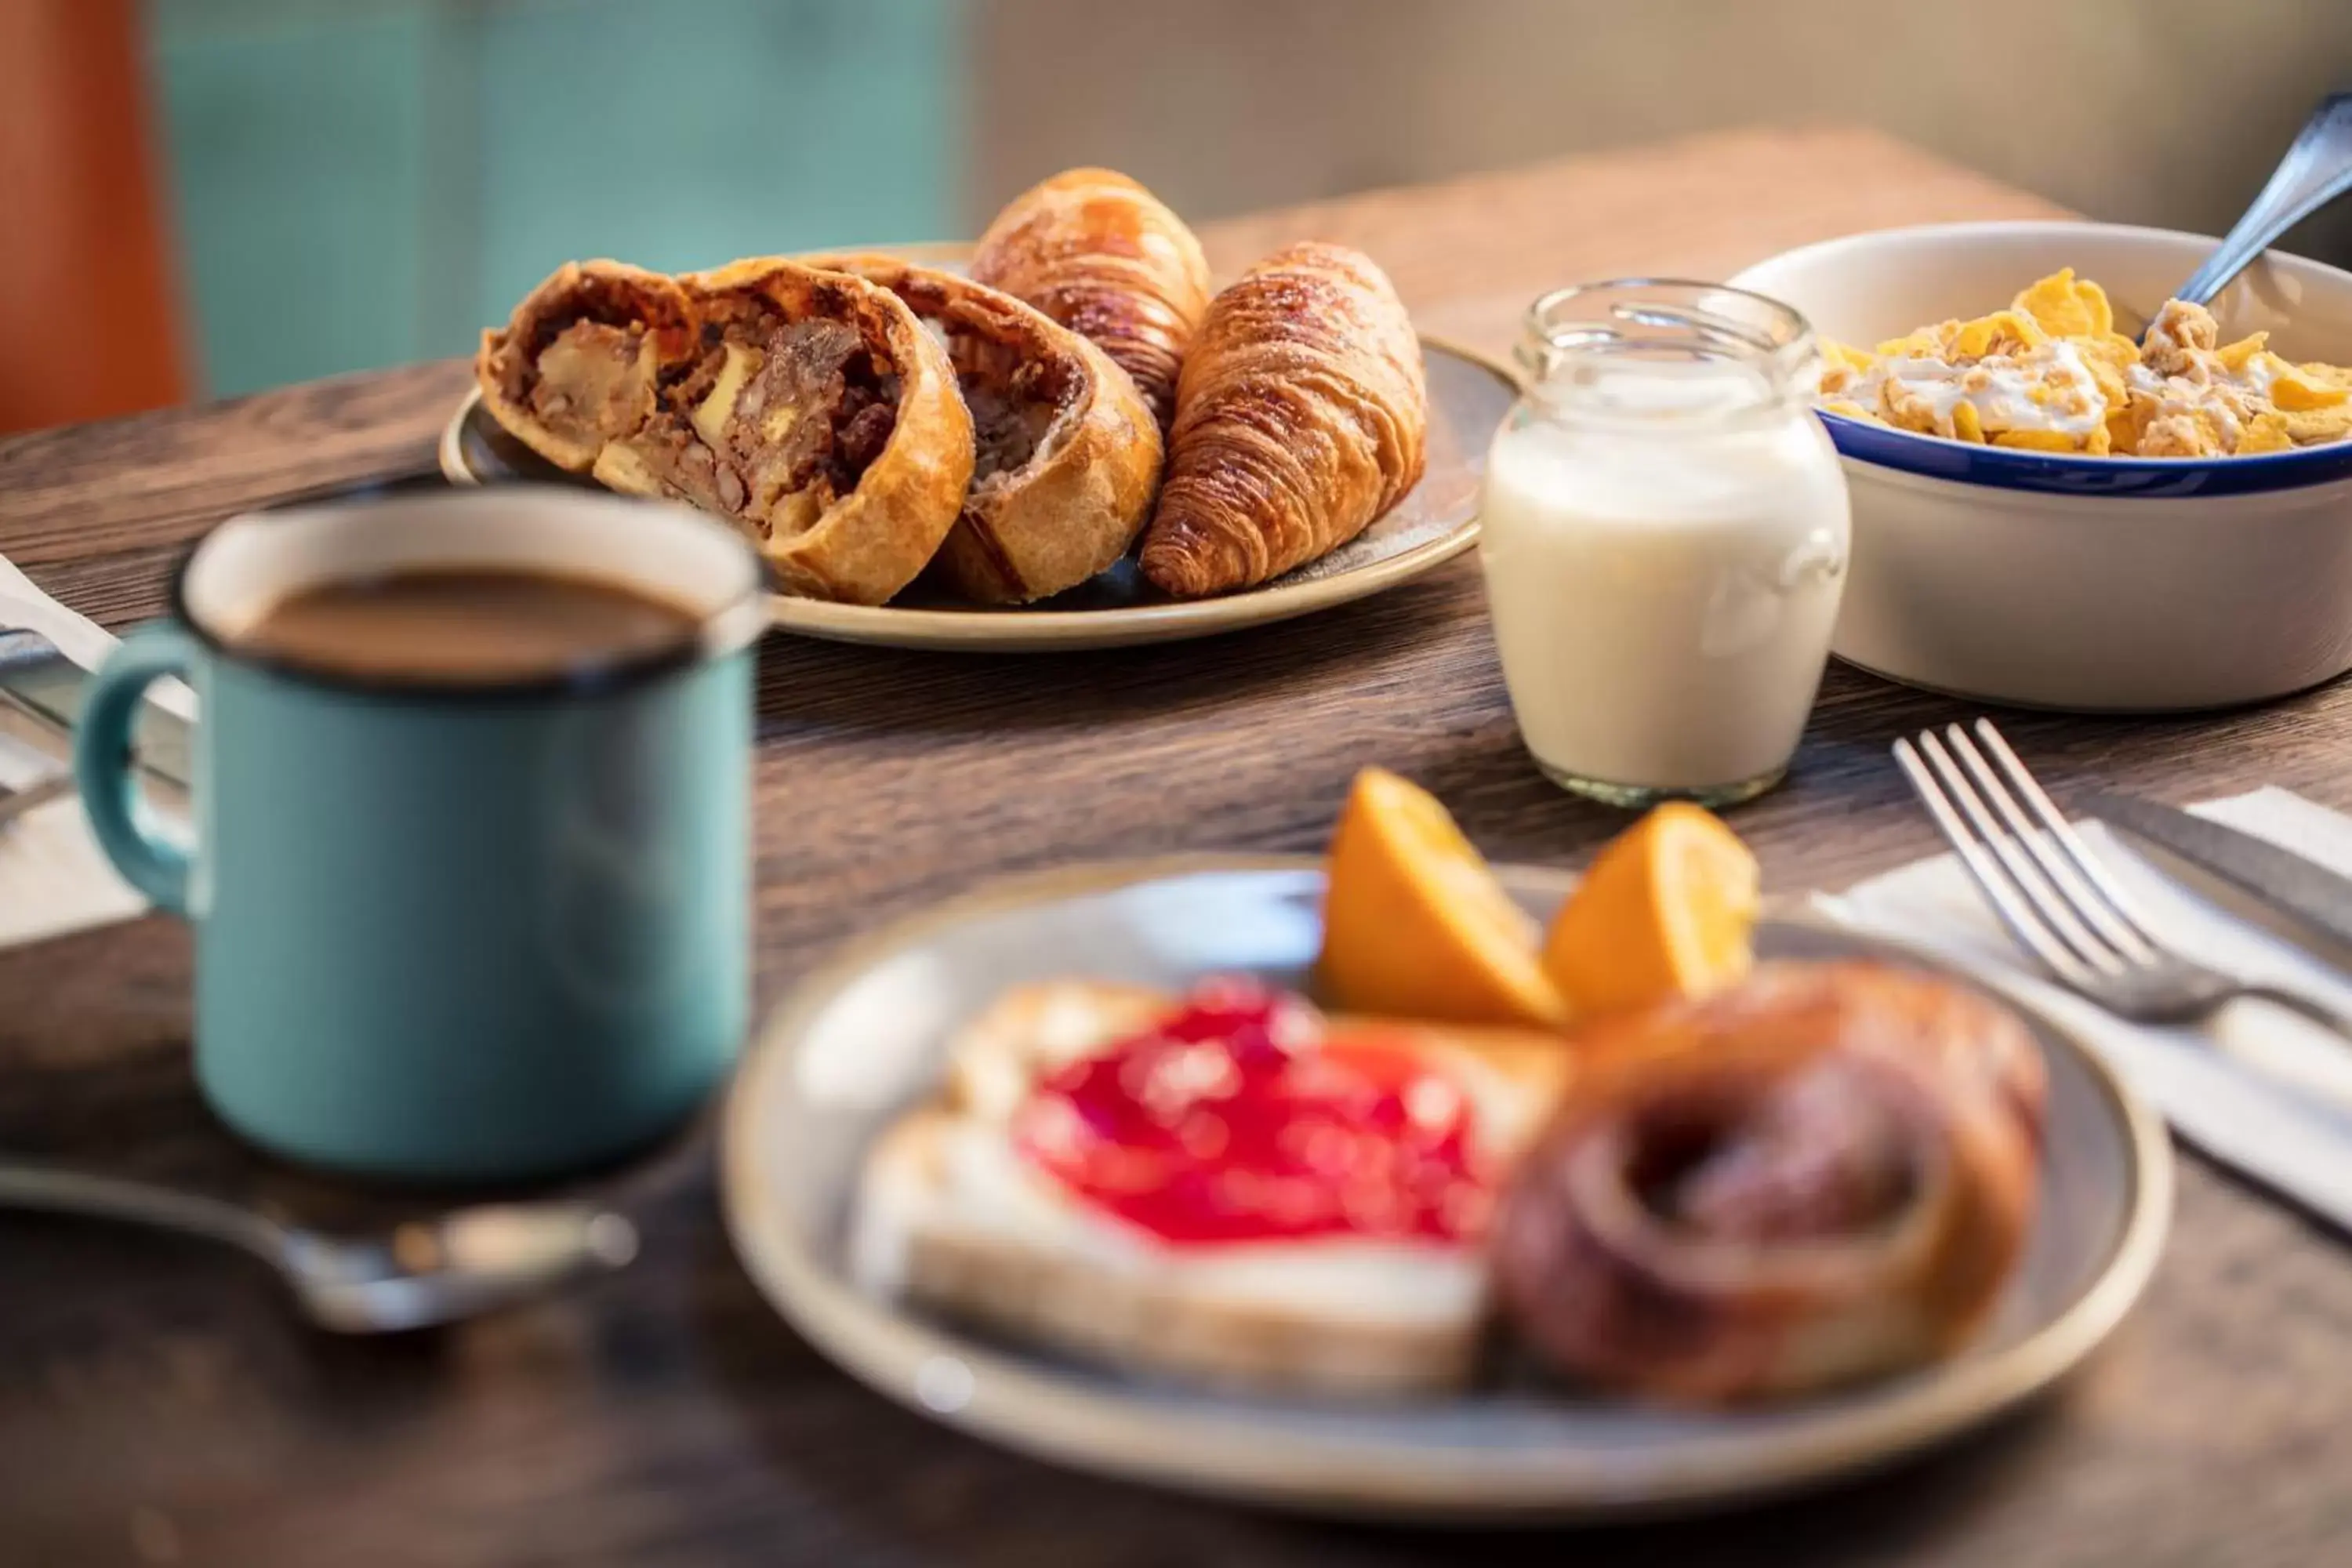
x: 1436, y: 520
x: 863, y: 1038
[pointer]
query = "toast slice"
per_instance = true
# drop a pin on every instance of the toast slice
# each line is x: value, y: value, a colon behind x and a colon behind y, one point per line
x: 953, y: 1215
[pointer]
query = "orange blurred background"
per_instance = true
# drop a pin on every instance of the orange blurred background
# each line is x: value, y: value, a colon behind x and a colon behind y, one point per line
x: 88, y: 304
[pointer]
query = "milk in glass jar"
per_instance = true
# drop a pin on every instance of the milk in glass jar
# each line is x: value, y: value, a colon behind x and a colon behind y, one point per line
x: 1664, y: 536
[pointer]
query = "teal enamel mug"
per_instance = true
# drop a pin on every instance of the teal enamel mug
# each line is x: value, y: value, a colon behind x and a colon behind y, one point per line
x: 453, y: 931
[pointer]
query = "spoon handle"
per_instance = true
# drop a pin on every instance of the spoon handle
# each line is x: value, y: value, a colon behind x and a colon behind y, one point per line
x: 2315, y: 171
x: 31, y: 1186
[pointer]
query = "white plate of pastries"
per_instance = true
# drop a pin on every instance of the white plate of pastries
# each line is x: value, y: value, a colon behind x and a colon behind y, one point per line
x: 1060, y: 437
x: 1173, y: 1172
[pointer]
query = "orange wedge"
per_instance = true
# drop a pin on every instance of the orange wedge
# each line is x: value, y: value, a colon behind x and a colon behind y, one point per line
x: 1415, y: 924
x: 1666, y: 911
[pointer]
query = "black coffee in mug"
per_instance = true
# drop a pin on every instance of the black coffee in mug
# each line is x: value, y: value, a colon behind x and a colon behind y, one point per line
x: 488, y: 625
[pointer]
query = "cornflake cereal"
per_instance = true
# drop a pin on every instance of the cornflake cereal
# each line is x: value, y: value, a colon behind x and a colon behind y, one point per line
x: 2051, y: 373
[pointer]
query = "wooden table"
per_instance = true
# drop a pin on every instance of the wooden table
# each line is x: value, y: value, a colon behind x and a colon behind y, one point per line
x: 157, y: 1404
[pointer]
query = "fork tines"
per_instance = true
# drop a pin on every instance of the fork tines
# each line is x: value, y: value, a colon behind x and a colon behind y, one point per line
x: 2061, y: 904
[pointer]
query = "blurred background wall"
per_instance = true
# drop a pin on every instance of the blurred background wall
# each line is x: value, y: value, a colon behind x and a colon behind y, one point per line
x: 346, y: 183
x: 2164, y: 112
x: 359, y: 182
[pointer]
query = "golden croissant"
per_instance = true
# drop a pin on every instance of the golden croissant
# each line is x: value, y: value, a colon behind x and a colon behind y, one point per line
x: 1825, y: 1174
x: 1302, y: 414
x: 1102, y: 256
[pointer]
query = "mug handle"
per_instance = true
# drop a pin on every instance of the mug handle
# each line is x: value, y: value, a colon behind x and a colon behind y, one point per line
x: 156, y: 865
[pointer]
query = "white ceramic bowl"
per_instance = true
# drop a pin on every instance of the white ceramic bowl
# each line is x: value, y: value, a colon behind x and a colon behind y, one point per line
x: 2110, y: 585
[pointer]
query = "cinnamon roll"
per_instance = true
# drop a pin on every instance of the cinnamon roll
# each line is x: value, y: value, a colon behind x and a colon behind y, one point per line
x: 1823, y: 1175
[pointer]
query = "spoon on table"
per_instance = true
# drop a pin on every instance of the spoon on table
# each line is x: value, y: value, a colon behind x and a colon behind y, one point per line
x: 2316, y: 169
x: 413, y: 1275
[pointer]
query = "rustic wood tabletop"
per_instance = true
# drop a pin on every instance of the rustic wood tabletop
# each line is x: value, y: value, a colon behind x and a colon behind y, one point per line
x: 159, y: 1404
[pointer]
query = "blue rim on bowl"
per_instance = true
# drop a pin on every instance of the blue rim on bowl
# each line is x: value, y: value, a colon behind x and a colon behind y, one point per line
x: 2058, y: 473
x: 1798, y: 277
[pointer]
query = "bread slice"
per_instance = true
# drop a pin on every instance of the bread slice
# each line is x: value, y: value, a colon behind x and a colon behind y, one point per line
x: 951, y: 1215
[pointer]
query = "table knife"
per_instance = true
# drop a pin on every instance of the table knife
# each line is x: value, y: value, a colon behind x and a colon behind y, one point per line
x: 42, y: 686
x: 84, y: 644
x: 47, y: 651
x: 2277, y: 878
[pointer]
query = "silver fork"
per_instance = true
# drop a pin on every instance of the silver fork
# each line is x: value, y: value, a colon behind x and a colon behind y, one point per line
x: 2061, y: 904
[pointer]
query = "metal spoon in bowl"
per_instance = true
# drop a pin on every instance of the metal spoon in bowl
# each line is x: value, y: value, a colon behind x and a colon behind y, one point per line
x: 2316, y: 169
x: 418, y: 1274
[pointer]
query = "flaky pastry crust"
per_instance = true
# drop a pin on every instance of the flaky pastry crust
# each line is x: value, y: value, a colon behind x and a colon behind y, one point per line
x: 643, y: 319
x: 1066, y: 456
x: 1302, y: 416
x: 810, y: 408
x: 1103, y: 257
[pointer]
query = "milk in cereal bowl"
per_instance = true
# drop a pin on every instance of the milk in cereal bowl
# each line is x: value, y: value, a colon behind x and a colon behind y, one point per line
x: 2050, y: 510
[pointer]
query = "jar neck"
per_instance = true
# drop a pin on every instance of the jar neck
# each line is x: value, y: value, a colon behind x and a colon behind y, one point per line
x: 1664, y: 354
x: 1664, y: 393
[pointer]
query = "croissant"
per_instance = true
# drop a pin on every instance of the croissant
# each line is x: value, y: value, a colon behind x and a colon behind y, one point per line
x: 1066, y: 454
x: 1301, y: 416
x: 810, y: 408
x: 1824, y: 1174
x: 1099, y: 254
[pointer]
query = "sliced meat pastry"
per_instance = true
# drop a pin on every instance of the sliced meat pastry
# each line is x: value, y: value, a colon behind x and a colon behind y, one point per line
x: 809, y: 407
x: 584, y: 358
x: 1106, y: 258
x: 1067, y: 454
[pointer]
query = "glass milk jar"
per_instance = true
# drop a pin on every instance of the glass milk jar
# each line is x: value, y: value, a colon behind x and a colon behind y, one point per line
x: 1663, y: 537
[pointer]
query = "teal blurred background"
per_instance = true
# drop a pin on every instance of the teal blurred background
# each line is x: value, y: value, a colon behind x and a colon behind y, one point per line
x: 361, y: 183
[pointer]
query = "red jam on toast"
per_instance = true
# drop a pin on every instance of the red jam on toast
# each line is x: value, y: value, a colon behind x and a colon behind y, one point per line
x: 1241, y: 1118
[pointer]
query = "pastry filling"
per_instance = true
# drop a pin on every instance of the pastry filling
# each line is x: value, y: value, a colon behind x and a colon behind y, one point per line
x: 590, y: 371
x: 1237, y: 1118
x: 1821, y: 1154
x: 766, y: 419
x: 1014, y: 400
x: 1014, y: 393
x: 775, y: 421
x: 594, y: 378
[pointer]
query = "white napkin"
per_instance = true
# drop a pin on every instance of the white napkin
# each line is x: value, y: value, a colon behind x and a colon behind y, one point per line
x: 2255, y: 1087
x: 83, y: 641
x: 54, y: 878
